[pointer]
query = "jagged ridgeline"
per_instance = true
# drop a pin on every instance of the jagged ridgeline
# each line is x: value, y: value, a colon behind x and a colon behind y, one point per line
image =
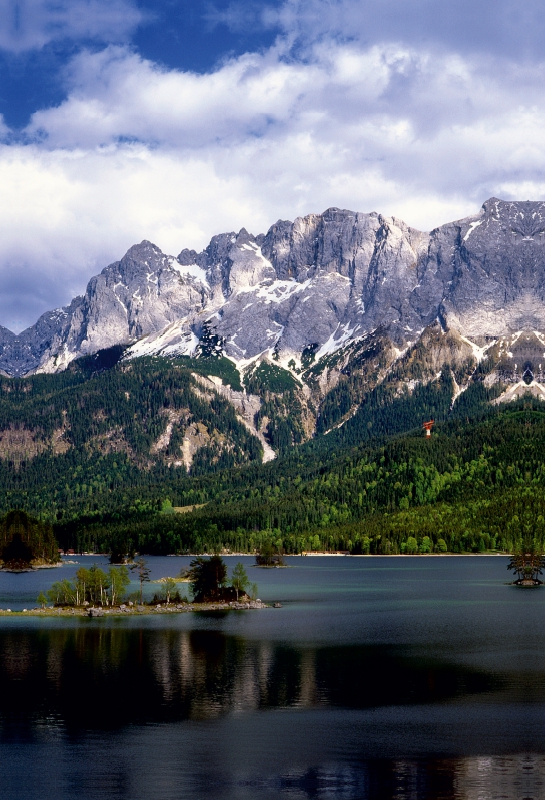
x: 26, y: 542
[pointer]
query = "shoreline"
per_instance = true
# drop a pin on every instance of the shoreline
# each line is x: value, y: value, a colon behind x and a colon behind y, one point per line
x: 95, y: 612
x: 34, y: 567
x: 397, y: 555
x: 292, y: 555
x: 389, y: 555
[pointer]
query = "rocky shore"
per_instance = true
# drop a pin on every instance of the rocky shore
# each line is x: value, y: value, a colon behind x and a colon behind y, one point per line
x: 133, y: 609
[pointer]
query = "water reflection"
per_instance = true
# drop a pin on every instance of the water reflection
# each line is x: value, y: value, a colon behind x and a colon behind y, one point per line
x: 106, y: 677
x: 165, y: 713
x: 520, y: 777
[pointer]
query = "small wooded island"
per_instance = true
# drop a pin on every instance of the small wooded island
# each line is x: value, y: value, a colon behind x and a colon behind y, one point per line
x: 528, y: 563
x: 27, y: 543
x: 95, y: 592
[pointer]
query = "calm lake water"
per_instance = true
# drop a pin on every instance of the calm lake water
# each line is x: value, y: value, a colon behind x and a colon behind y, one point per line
x: 378, y: 678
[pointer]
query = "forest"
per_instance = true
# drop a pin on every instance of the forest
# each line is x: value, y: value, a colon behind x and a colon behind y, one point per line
x: 472, y: 487
x: 95, y: 452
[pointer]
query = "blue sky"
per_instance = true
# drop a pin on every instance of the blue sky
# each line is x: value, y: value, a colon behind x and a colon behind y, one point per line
x: 178, y: 34
x: 174, y: 120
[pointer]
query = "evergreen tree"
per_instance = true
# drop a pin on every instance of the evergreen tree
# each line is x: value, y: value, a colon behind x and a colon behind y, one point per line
x: 207, y: 578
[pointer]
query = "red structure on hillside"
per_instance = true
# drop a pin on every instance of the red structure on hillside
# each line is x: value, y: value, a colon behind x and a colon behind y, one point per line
x: 427, y: 426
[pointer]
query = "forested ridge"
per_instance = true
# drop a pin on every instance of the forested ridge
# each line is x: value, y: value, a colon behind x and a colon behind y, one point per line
x: 96, y: 451
x: 106, y: 434
x: 472, y: 487
x: 71, y: 443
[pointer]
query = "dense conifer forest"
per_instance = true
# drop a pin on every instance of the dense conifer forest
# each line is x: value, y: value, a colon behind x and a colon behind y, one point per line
x: 94, y: 451
x: 471, y: 488
x: 25, y: 541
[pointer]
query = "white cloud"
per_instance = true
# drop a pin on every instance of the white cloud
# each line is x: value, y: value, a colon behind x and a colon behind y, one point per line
x: 138, y: 151
x: 31, y: 24
x: 64, y: 215
x: 498, y: 27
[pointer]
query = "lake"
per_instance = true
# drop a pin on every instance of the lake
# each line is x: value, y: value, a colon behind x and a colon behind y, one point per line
x: 380, y: 677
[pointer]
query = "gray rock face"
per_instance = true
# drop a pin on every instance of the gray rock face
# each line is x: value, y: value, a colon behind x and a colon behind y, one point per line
x: 318, y: 282
x: 141, y: 293
x: 498, y: 271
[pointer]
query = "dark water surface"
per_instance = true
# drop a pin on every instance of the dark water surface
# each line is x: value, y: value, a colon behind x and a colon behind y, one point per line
x: 379, y: 678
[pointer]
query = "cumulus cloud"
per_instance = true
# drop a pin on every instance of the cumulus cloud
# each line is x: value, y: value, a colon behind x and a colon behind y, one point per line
x: 64, y: 215
x: 425, y: 123
x: 141, y: 151
x: 497, y: 27
x: 31, y: 24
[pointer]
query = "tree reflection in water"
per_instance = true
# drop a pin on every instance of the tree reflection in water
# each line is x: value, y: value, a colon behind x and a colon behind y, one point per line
x: 123, y: 711
x: 110, y: 676
x: 517, y: 777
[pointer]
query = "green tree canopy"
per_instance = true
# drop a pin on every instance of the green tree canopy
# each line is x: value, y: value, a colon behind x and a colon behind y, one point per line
x: 25, y: 540
x: 239, y: 579
x: 143, y: 573
x: 207, y: 576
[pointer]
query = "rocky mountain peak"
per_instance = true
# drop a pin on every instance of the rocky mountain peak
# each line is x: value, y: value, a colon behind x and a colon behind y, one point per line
x: 319, y: 282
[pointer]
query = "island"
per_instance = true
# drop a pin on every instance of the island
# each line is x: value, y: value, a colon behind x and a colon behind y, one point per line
x: 97, y: 593
x: 132, y: 609
x: 527, y: 562
x: 26, y: 543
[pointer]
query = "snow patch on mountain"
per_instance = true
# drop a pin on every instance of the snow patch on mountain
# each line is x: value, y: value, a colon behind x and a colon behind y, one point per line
x: 192, y: 270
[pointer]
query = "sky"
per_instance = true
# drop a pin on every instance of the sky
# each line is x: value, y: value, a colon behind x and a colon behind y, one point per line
x: 174, y: 120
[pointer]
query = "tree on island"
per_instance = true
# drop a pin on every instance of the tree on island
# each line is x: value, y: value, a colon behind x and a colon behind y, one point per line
x: 209, y: 582
x: 143, y: 572
x: 528, y: 562
x: 119, y: 580
x: 239, y: 579
x: 207, y: 578
x: 118, y: 556
x: 26, y: 542
x: 96, y: 581
x: 61, y: 593
x: 90, y: 586
x: 269, y: 557
x: 169, y: 587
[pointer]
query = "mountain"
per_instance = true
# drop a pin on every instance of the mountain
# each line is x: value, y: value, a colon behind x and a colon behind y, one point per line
x: 272, y: 388
x: 470, y: 487
x: 341, y: 325
x: 100, y: 434
x: 141, y: 293
x: 306, y: 287
x: 144, y: 455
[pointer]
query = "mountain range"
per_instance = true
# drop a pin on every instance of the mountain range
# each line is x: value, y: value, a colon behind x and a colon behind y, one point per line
x: 306, y: 287
x: 339, y: 320
x: 319, y: 347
